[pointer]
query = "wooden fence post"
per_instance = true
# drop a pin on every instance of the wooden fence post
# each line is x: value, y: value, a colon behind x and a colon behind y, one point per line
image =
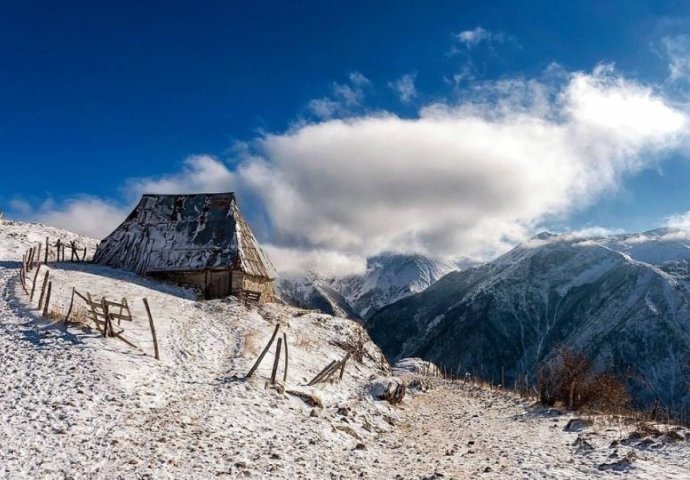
x: 22, y: 278
x: 45, y: 255
x: 33, y: 283
x: 153, y: 329
x: 43, y: 289
x: 276, y: 361
x: 286, y: 358
x: 83, y: 259
x: 71, y: 257
x: 45, y: 307
x: 57, y: 250
x: 107, y: 329
x: 261, y: 357
x: 38, y: 254
x: 342, y: 366
x: 322, y: 373
x: 92, y: 306
x: 71, y: 303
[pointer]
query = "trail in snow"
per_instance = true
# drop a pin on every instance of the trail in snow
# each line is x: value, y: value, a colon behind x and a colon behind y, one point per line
x: 75, y: 405
x: 464, y: 431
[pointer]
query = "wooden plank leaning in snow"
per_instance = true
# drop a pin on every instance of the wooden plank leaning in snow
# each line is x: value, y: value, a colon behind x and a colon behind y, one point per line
x: 263, y: 353
x: 330, y: 369
x: 276, y: 361
x: 153, y: 329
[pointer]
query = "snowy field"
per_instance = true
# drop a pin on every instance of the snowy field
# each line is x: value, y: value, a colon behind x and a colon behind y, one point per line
x: 76, y: 405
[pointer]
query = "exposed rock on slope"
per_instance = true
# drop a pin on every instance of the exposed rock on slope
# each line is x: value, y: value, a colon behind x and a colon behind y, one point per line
x: 623, y: 300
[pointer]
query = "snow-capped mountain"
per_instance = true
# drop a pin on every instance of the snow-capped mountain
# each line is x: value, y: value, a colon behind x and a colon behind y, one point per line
x: 388, y: 278
x: 622, y: 299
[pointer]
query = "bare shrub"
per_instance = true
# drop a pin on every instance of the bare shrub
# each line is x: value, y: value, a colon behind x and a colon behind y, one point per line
x: 569, y: 379
x: 55, y: 314
x: 79, y: 316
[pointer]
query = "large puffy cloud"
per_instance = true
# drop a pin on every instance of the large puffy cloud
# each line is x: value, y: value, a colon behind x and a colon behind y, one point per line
x: 468, y: 178
x: 84, y: 214
x: 464, y: 179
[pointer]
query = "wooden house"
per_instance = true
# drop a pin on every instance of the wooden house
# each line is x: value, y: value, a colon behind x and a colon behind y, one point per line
x: 199, y: 240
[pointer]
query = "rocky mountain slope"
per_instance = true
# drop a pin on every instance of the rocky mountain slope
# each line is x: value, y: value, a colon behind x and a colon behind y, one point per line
x: 388, y: 278
x: 622, y: 299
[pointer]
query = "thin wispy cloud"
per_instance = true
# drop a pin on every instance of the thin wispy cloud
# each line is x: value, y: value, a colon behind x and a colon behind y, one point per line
x: 345, y: 98
x: 468, y: 40
x: 677, y: 49
x: 405, y: 87
x: 471, y: 38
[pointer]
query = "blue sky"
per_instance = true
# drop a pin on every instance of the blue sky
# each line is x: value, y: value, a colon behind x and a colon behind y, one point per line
x: 99, y: 99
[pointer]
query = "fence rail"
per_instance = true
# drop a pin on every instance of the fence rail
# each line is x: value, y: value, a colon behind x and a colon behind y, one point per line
x: 102, y: 312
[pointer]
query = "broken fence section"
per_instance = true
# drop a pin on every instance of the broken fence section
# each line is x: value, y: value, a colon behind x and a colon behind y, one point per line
x: 106, y: 314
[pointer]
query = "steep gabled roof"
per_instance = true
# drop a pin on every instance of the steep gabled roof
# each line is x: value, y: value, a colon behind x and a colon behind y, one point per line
x: 182, y: 233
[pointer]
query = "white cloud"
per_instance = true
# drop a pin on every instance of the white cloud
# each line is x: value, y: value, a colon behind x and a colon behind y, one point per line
x: 200, y: 173
x: 680, y: 221
x: 468, y: 40
x: 405, y: 87
x: 459, y: 179
x: 344, y: 100
x: 356, y: 78
x: 473, y: 37
x: 86, y: 215
x: 677, y: 49
x: 296, y: 261
x: 21, y: 207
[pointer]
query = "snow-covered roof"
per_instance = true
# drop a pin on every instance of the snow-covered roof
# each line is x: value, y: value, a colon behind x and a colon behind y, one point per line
x: 183, y: 233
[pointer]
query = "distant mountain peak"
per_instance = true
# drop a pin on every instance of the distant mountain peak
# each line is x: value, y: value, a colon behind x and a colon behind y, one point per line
x: 389, y: 277
x: 545, y: 235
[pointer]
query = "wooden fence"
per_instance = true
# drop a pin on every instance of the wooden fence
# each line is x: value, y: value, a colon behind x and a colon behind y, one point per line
x: 107, y: 315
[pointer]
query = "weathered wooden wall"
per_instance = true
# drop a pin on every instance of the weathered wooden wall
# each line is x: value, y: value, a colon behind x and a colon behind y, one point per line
x: 220, y: 283
x: 245, y: 282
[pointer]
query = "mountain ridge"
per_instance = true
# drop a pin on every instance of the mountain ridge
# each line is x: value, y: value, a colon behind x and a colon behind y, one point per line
x: 504, y: 318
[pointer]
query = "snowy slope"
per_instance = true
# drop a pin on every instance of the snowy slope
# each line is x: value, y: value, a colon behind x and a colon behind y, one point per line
x: 623, y: 299
x: 388, y: 278
x: 75, y: 405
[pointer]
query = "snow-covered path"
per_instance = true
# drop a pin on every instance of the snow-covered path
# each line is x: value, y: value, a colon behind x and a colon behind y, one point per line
x: 53, y: 423
x: 466, y: 431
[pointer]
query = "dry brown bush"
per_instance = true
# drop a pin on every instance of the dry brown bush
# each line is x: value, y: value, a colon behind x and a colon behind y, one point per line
x: 55, y: 314
x: 569, y: 379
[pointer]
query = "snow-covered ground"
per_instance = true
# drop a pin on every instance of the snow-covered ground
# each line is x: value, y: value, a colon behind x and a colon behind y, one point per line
x: 76, y: 405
